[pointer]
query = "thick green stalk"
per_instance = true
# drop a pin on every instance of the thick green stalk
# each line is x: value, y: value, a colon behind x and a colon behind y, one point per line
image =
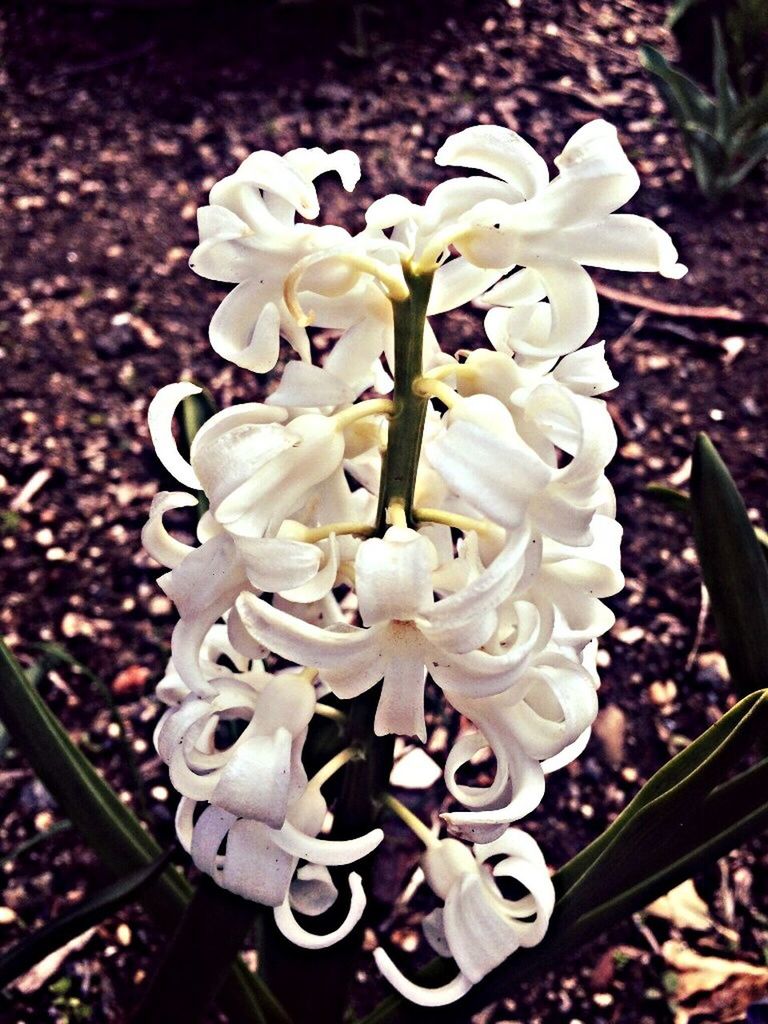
x: 332, y: 971
x: 210, y: 935
x: 406, y: 424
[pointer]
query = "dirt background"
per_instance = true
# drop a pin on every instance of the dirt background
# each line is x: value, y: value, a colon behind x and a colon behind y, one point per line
x: 114, y: 125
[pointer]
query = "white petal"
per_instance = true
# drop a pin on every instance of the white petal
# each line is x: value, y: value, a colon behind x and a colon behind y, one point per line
x: 210, y: 830
x: 479, y: 673
x: 331, y: 852
x: 305, y: 386
x: 523, y: 288
x: 255, y: 867
x: 389, y: 210
x: 312, y: 890
x: 623, y: 241
x: 255, y: 781
x: 567, y: 754
x: 574, y: 305
x: 311, y: 163
x: 586, y: 371
x: 484, y: 594
x: 394, y: 576
x: 322, y: 582
x: 497, y: 151
x: 478, y: 936
x: 158, y: 543
x: 270, y: 172
x: 159, y: 419
x: 457, y: 282
x: 299, y: 936
x: 352, y: 357
x: 298, y: 641
x: 273, y: 564
x: 401, y: 704
x: 245, y: 329
x: 418, y: 994
x: 493, y: 474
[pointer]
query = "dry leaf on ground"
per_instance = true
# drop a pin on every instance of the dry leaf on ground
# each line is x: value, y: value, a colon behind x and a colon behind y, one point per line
x: 684, y: 908
x: 710, y: 988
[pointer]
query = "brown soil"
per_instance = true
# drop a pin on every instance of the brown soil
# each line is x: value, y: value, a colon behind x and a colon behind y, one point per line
x: 114, y: 125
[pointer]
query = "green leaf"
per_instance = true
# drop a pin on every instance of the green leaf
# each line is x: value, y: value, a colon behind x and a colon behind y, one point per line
x: 679, y: 501
x: 211, y: 932
x: 727, y: 100
x: 687, y: 101
x: 53, y: 653
x: 732, y: 565
x: 106, y: 824
x: 92, y: 911
x: 39, y: 837
x: 663, y: 802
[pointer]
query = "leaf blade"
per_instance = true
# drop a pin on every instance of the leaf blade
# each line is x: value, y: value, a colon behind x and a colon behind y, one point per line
x: 732, y: 565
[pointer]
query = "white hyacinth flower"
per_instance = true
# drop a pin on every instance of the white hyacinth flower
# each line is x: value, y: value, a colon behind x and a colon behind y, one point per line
x: 477, y: 925
x: 406, y: 630
x: 259, y: 772
x: 258, y: 862
x: 462, y: 530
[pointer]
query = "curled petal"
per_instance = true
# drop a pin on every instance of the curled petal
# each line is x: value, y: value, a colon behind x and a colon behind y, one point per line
x: 299, y: 936
x: 254, y: 865
x: 497, y: 151
x: 418, y: 994
x: 306, y: 386
x: 457, y: 282
x: 299, y: 641
x: 493, y: 474
x: 330, y: 852
x: 245, y: 329
x: 272, y: 563
x: 158, y: 543
x: 480, y: 673
x: 311, y: 163
x: 586, y: 371
x: 482, y: 596
x: 312, y: 890
x: 159, y: 419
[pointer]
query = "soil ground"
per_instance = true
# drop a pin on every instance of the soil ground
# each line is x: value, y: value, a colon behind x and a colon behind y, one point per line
x: 115, y: 123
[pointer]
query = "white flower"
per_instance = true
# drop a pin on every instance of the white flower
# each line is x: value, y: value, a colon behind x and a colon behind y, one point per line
x: 554, y: 229
x: 259, y: 863
x: 555, y: 711
x: 256, y: 774
x: 478, y: 926
x: 407, y: 631
x: 248, y: 236
x: 488, y: 464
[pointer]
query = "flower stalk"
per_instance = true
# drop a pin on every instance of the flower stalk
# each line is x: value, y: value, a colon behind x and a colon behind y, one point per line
x: 406, y: 424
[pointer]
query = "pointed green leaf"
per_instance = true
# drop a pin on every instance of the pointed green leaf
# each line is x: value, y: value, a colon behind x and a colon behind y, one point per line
x: 92, y: 911
x: 732, y: 565
x: 663, y: 803
x: 53, y: 653
x: 687, y: 101
x: 679, y: 501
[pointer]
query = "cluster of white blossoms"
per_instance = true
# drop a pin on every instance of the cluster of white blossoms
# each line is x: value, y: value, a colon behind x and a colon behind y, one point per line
x: 391, y: 514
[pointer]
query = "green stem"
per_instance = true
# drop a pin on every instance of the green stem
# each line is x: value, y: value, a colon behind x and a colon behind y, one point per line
x: 193, y: 969
x: 406, y: 424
